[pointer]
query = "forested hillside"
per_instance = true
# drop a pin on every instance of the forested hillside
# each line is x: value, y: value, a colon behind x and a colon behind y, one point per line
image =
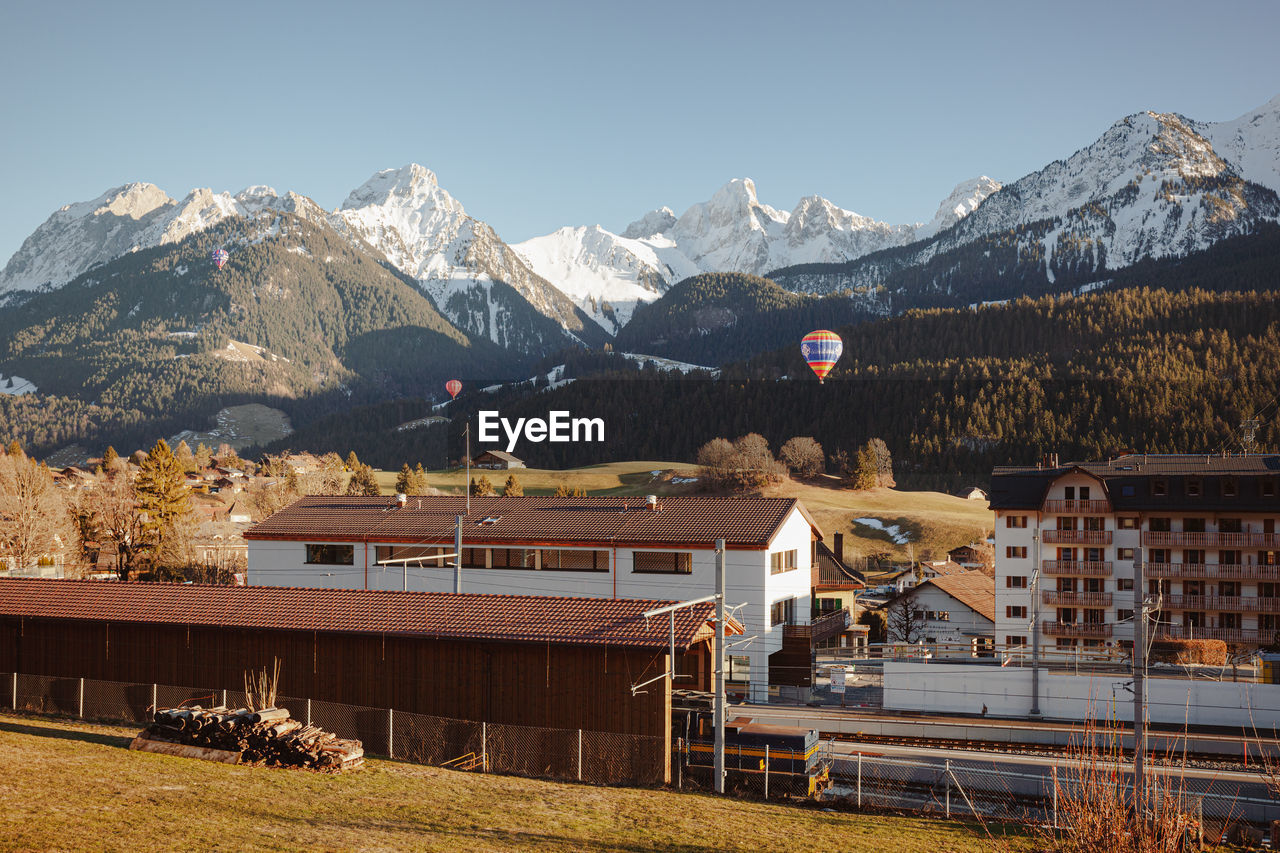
x: 142, y: 346
x: 720, y: 317
x: 952, y: 392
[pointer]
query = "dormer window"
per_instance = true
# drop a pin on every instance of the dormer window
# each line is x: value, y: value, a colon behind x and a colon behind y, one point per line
x: 1069, y: 492
x: 1194, y: 487
x: 1159, y: 488
x: 1229, y: 488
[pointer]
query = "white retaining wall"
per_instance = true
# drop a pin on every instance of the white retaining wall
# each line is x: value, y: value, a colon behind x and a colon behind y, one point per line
x: 1006, y: 692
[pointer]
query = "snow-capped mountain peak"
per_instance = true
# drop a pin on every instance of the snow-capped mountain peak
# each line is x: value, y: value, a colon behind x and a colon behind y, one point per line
x: 411, y: 185
x: 964, y: 199
x: 653, y: 222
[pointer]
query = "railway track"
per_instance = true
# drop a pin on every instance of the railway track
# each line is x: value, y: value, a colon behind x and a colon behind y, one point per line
x: 1205, y: 761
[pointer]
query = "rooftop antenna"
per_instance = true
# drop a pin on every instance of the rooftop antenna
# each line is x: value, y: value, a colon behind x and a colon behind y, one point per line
x: 467, y: 434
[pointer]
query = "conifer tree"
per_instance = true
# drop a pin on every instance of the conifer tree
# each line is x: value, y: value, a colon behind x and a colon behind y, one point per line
x: 163, y: 495
x: 403, y: 480
x: 512, y: 488
x: 481, y: 487
x: 363, y: 482
x: 109, y: 458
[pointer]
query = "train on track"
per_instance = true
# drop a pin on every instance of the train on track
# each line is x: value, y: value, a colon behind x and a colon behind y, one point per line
x: 760, y: 759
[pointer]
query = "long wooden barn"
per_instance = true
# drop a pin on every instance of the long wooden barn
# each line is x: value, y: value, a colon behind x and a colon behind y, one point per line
x: 562, y: 663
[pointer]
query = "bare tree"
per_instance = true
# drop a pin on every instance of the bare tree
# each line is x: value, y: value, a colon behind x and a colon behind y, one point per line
x: 803, y: 455
x: 903, y: 622
x: 37, y: 524
x: 114, y: 505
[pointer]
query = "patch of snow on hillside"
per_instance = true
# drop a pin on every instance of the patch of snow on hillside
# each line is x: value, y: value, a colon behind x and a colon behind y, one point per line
x: 896, y: 535
x: 669, y: 364
x: 16, y: 386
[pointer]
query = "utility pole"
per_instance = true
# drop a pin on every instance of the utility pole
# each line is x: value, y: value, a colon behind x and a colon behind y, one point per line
x: 718, y: 712
x: 1035, y: 620
x: 467, y: 436
x: 1139, y: 672
x: 457, y: 557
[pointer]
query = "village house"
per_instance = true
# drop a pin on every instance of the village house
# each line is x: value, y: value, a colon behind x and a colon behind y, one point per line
x: 602, y: 547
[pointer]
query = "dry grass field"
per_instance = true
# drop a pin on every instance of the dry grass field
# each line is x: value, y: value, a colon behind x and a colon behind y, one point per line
x: 934, y: 522
x: 75, y: 786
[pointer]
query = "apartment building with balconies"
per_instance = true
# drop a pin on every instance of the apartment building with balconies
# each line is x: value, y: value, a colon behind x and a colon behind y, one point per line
x: 1202, y: 528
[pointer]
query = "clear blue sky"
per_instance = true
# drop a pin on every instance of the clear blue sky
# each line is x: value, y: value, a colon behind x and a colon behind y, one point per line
x: 539, y: 114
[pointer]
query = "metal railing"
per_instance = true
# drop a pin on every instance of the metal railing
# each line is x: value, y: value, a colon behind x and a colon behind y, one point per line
x: 1209, y: 539
x: 1226, y: 571
x: 1077, y: 537
x: 1077, y: 629
x: 1088, y: 507
x: 1214, y: 601
x: 1259, y: 637
x: 822, y: 628
x: 1077, y: 599
x: 1092, y: 568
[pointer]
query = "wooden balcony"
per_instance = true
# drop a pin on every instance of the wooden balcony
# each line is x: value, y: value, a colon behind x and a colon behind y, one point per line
x: 1077, y: 599
x: 1221, y: 603
x: 1076, y: 507
x: 1224, y: 571
x: 1244, y: 636
x: 1077, y: 629
x: 823, y: 628
x: 1077, y: 537
x: 1088, y: 568
x: 1182, y: 539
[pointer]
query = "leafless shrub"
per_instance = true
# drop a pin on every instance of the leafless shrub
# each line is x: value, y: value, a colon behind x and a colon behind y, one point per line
x: 260, y: 686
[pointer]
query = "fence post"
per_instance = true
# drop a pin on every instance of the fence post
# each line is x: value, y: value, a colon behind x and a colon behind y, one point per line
x: 859, y: 780
x: 224, y: 697
x: 15, y: 691
x: 154, y: 700
x: 579, y: 755
x: 1054, y: 772
x: 948, y: 775
x: 484, y: 747
x: 308, y: 712
x: 391, y: 743
x: 82, y: 698
x: 766, y: 771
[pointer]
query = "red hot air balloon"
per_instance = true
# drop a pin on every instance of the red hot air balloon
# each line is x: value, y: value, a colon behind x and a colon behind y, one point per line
x: 821, y: 349
x: 219, y: 257
x: 453, y: 386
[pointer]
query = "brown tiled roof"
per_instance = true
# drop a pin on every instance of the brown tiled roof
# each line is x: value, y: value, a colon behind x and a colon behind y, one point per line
x: 741, y: 522
x: 832, y: 572
x: 499, y: 454
x: 972, y: 589
x: 945, y: 567
x: 514, y: 618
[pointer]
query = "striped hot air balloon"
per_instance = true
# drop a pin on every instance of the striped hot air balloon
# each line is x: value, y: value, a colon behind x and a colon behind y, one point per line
x: 453, y: 386
x: 219, y: 257
x: 821, y: 349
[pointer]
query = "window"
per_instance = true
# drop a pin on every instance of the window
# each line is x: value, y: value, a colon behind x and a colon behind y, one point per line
x: 1015, y: 611
x: 1229, y: 589
x: 1160, y: 524
x: 1124, y: 554
x: 783, y: 561
x: 783, y: 612
x: 1194, y: 556
x: 1015, y: 521
x: 739, y: 668
x: 1229, y: 488
x: 1084, y: 493
x: 1229, y: 620
x: 1066, y: 522
x: 1268, y: 488
x: 331, y: 555
x: 513, y: 558
x: 1159, y: 488
x: 1015, y: 581
x: 1015, y: 640
x: 417, y: 554
x: 1194, y: 487
x: 1230, y: 525
x: 1127, y: 522
x: 1070, y: 492
x: 1193, y: 525
x: 1014, y: 552
x: 938, y: 615
x: 1123, y: 584
x: 662, y: 562
x: 1128, y: 490
x: 1122, y: 614
x: 1229, y: 558
x: 574, y: 560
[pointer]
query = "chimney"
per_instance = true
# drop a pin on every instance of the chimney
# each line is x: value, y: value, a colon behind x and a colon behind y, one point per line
x: 401, y: 499
x: 652, y: 501
x: 839, y: 546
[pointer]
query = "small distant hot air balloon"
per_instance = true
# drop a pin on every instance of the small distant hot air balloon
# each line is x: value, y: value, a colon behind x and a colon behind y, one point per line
x: 821, y: 349
x: 219, y: 257
x: 453, y: 386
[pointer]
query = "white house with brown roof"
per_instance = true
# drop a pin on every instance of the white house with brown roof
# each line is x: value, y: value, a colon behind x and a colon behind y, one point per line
x: 955, y: 610
x: 602, y: 547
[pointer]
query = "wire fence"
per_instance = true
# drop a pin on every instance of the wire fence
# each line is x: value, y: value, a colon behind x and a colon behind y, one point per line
x: 602, y: 758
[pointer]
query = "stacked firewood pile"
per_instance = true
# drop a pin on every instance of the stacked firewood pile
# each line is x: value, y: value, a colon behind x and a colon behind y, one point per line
x: 268, y: 737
